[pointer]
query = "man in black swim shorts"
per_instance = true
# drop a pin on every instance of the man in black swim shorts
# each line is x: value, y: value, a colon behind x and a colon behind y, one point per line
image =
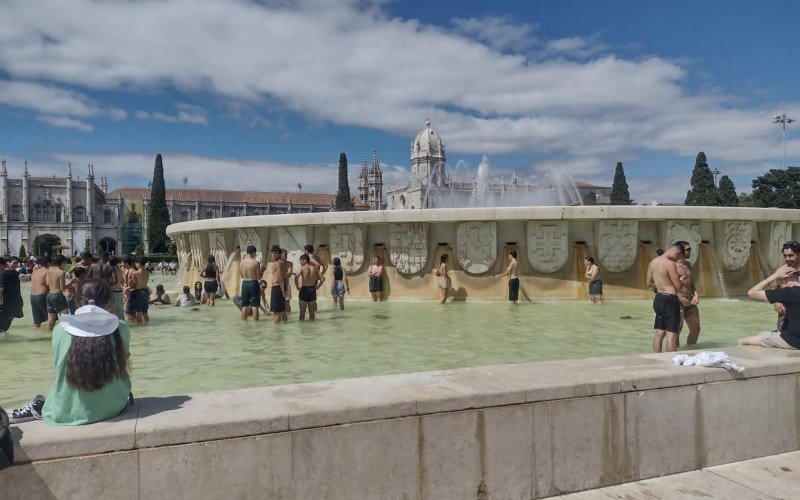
x: 308, y: 281
x: 663, y: 278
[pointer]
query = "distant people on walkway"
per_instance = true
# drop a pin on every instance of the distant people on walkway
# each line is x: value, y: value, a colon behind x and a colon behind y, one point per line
x: 160, y: 297
x: 186, y: 299
x: 308, y: 281
x: 663, y: 279
x: 376, y: 279
x: 250, y: 270
x: 340, y: 284
x: 513, y: 277
x: 212, y: 277
x: 688, y: 296
x: 788, y: 337
x: 595, y: 283
x: 39, y: 290
x: 11, y: 306
x: 443, y: 275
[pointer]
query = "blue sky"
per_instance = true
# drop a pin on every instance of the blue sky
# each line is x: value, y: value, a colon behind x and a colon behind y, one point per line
x: 263, y: 95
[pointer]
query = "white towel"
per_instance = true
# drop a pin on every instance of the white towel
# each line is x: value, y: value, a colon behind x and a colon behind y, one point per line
x: 708, y: 358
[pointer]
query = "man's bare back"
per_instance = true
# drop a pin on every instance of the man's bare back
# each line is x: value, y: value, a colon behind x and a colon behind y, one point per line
x: 39, y: 281
x: 663, y: 275
x: 250, y: 268
x: 55, y: 280
x: 139, y: 278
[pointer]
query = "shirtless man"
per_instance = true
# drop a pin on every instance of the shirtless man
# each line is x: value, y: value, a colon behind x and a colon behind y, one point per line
x: 513, y: 278
x: 39, y: 290
x: 314, y: 260
x: 116, y: 288
x: 277, y: 280
x: 687, y: 295
x: 307, y: 282
x: 251, y: 271
x: 138, y: 293
x: 791, y: 257
x: 663, y: 279
x: 102, y: 270
x: 56, y: 278
x: 288, y: 272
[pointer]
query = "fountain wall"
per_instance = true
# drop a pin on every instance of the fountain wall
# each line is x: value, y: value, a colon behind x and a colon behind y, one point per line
x: 734, y: 247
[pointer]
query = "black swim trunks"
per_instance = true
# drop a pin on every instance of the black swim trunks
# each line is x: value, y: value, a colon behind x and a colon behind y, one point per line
x: 56, y: 302
x: 375, y: 284
x: 210, y: 287
x: 39, y: 308
x: 251, y: 293
x: 307, y: 293
x: 513, y: 289
x: 596, y: 287
x: 668, y: 312
x: 277, y: 300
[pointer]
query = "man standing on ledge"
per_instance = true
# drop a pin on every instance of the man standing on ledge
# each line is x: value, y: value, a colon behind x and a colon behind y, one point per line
x: 251, y: 272
x: 663, y: 279
x: 788, y: 337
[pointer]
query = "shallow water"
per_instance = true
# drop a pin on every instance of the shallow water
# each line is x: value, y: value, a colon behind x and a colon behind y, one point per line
x: 200, y: 349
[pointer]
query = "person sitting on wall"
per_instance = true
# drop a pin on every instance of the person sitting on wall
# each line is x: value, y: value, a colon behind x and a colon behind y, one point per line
x: 788, y: 337
x: 91, y: 350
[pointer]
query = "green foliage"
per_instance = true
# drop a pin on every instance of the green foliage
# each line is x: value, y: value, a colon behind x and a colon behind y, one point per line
x: 590, y: 198
x: 343, y: 202
x: 158, y: 215
x: 778, y: 188
x: 22, y: 254
x: 703, y: 191
x: 619, y: 190
x: 746, y: 200
x: 139, y: 252
x: 87, y: 245
x: 727, y: 192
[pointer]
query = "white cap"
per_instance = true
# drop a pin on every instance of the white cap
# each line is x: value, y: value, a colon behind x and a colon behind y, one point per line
x: 90, y: 321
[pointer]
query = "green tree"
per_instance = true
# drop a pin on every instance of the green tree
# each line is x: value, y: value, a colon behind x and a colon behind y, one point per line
x: 22, y: 254
x: 139, y: 252
x: 619, y: 190
x: 727, y: 192
x: 158, y: 215
x: 777, y: 188
x: 746, y: 200
x: 703, y: 191
x: 343, y: 193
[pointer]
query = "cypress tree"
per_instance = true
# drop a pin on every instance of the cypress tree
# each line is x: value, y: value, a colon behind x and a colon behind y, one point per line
x: 703, y: 191
x: 158, y: 215
x: 727, y: 192
x: 619, y: 190
x: 343, y: 193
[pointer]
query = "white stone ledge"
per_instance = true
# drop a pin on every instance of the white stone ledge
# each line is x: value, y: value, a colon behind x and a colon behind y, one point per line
x: 176, y: 420
x: 441, y: 215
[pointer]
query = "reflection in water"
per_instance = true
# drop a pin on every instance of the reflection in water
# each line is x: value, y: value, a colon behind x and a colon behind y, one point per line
x: 186, y: 351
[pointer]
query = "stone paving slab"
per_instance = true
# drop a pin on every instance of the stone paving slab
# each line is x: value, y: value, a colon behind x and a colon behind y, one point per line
x: 767, y: 478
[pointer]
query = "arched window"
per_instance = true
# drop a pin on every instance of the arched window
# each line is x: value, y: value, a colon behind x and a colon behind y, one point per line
x: 403, y: 201
x: 106, y: 216
x: 59, y: 213
x: 80, y: 214
x: 47, y: 212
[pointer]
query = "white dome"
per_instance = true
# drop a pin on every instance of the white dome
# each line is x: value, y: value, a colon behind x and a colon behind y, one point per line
x: 427, y: 143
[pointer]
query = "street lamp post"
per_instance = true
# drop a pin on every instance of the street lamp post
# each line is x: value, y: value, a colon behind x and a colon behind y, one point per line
x: 715, y: 173
x: 783, y: 120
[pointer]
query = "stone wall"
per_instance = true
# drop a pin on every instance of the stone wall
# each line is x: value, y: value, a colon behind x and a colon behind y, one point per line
x: 733, y: 247
x: 516, y: 431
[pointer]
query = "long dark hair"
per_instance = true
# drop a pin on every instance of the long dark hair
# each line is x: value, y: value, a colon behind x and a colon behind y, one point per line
x: 93, y: 362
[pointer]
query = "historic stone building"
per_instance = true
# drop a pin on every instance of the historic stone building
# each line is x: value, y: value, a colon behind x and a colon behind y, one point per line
x: 51, y: 214
x: 370, y: 183
x: 429, y: 185
x: 196, y: 204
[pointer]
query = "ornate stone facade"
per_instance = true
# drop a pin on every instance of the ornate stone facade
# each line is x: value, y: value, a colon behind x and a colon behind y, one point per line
x: 548, y: 245
x: 617, y: 244
x: 476, y: 246
x: 735, y: 244
x: 249, y: 236
x: 780, y: 233
x: 408, y: 247
x: 347, y: 243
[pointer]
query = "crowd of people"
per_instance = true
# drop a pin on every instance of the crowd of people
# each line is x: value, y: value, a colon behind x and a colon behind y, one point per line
x: 88, y: 309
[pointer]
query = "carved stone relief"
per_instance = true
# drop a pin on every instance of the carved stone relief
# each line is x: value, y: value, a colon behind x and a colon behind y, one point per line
x: 184, y: 255
x: 198, y: 255
x: 685, y: 231
x: 477, y: 246
x: 736, y: 244
x: 217, y: 248
x: 617, y: 244
x: 548, y: 245
x: 249, y: 236
x: 780, y: 233
x: 408, y: 246
x: 293, y: 239
x: 347, y: 243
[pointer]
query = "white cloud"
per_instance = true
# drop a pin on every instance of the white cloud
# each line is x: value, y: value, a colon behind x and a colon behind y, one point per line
x: 64, y: 122
x: 187, y: 113
x: 498, y: 32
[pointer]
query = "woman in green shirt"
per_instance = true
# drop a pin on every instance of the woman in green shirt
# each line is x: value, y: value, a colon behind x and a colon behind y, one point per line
x: 90, y: 352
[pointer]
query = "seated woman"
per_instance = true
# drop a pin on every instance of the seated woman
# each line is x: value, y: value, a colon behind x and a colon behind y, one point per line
x: 186, y: 299
x: 160, y: 297
x: 90, y: 351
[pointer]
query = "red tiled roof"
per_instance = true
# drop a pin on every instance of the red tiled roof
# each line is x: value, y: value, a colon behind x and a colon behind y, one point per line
x: 219, y: 196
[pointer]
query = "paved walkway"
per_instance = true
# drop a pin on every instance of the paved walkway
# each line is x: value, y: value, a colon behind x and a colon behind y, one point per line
x: 765, y: 478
